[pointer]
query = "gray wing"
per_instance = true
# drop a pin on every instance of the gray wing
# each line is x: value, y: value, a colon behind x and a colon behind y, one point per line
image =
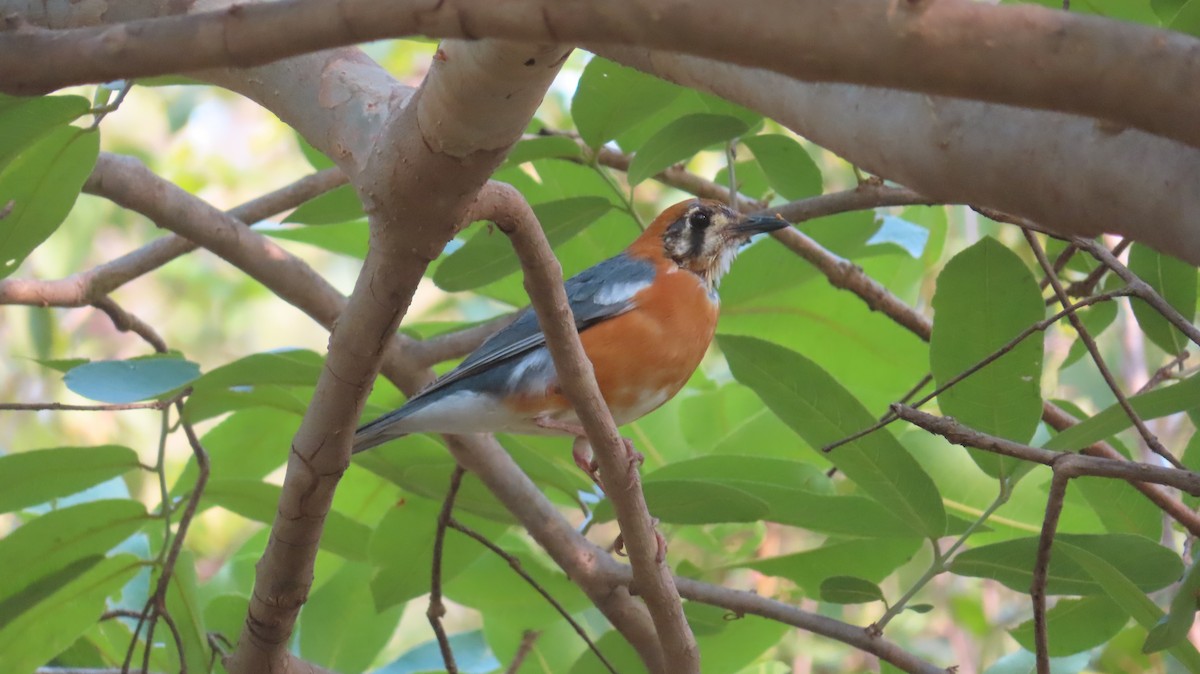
x: 595, y: 294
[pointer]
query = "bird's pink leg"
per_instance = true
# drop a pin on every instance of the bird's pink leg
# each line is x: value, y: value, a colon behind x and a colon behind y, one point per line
x: 581, y: 450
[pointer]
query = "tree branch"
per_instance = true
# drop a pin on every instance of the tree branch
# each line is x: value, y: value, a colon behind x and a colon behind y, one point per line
x: 1130, y: 471
x: 1041, y: 567
x: 92, y: 286
x: 1057, y: 168
x: 948, y: 47
x: 505, y: 206
x: 415, y: 193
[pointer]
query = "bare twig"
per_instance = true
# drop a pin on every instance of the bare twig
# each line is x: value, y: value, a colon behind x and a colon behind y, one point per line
x: 437, y: 610
x: 992, y: 357
x: 1096, y: 466
x: 520, y: 571
x: 1086, y: 336
x: 116, y: 407
x: 1041, y: 567
x: 1088, y: 285
x: 127, y: 322
x: 543, y: 282
x: 528, y: 639
x: 1060, y: 263
x: 1164, y: 373
x: 456, y: 344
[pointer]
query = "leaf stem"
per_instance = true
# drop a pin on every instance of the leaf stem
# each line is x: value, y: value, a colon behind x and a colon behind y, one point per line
x: 938, y: 565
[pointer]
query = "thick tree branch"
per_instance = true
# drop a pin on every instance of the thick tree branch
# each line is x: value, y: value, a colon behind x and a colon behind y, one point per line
x: 505, y: 206
x: 1020, y: 55
x: 1050, y: 167
x: 415, y: 190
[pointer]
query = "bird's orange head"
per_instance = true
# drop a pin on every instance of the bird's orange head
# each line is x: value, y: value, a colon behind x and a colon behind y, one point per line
x: 701, y: 236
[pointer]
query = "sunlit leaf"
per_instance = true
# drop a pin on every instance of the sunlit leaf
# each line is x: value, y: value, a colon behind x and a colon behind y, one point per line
x: 849, y: 590
x: 1175, y: 281
x: 821, y: 411
x: 44, y: 474
x: 792, y: 173
x: 127, y: 381
x: 39, y: 187
x: 611, y: 98
x: 680, y: 140
x: 1076, y: 625
x: 985, y: 297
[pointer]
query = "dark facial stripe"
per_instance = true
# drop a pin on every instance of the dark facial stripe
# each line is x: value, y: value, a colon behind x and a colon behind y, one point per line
x: 696, y: 246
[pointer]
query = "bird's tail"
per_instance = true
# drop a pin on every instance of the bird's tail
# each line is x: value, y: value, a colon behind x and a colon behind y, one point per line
x: 379, y: 431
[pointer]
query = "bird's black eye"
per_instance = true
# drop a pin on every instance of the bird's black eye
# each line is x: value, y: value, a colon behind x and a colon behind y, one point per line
x: 699, y: 219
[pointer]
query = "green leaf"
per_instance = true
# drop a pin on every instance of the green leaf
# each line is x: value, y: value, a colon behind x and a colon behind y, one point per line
x: 1180, y: 15
x: 340, y: 204
x: 339, y: 627
x: 680, y: 140
x: 488, y: 255
x: 317, y: 159
x: 41, y: 185
x: 821, y: 411
x: 52, y: 542
x: 1175, y: 281
x: 259, y: 500
x: 48, y: 616
x: 1127, y: 593
x: 985, y: 297
x: 1151, y: 405
x: 849, y: 590
x: 1147, y: 564
x: 1122, y: 509
x: 871, y: 560
x: 1096, y: 320
x: 25, y: 120
x: 795, y: 493
x: 44, y: 474
x: 184, y: 606
x: 790, y: 171
x: 695, y: 502
x: 919, y: 608
x: 1076, y: 625
x: 403, y: 541
x: 1173, y: 628
x: 610, y: 99
x: 343, y: 238
x: 127, y: 381
x: 544, y: 147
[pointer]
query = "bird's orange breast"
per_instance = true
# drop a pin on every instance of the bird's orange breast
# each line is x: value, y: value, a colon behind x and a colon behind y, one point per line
x: 644, y: 356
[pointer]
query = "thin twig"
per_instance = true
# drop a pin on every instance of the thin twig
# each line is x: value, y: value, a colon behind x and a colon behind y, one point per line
x: 1164, y: 373
x: 127, y: 322
x: 528, y: 639
x: 1041, y: 567
x: 990, y: 358
x: 437, y: 609
x: 61, y: 407
x: 1086, y: 336
x: 1088, y: 285
x: 1060, y: 263
x: 1096, y: 466
x: 516, y: 566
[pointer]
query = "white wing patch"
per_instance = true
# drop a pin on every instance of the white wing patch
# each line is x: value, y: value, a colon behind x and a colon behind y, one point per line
x: 534, y: 370
x: 619, y: 293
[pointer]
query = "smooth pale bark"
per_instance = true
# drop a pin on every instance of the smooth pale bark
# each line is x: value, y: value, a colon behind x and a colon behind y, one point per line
x: 1068, y: 173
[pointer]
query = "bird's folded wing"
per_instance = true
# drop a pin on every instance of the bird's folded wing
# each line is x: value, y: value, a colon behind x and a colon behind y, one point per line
x: 596, y: 294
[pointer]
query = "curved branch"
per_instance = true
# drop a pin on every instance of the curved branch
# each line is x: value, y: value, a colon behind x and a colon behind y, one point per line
x: 505, y: 206
x: 93, y: 285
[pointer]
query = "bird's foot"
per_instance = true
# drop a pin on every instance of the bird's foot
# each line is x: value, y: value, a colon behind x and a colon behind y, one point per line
x: 581, y: 451
x: 659, y: 555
